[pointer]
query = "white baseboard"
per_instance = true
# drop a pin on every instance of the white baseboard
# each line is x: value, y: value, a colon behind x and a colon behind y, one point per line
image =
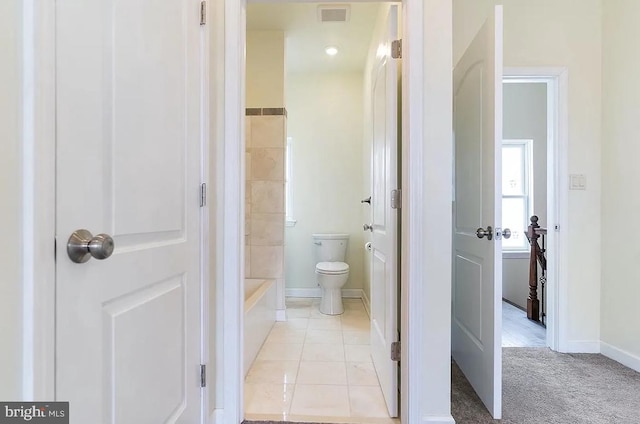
x: 581, y: 346
x: 352, y: 293
x: 281, y: 315
x: 217, y: 417
x: 367, y: 302
x: 306, y: 292
x: 316, y: 292
x: 439, y: 420
x: 625, y: 358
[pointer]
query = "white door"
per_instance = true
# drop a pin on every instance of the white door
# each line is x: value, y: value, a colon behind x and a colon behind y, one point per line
x: 128, y: 83
x: 384, y: 288
x: 477, y: 270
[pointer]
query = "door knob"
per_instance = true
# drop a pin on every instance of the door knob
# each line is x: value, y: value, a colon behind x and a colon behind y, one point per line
x: 488, y: 233
x: 367, y: 200
x: 368, y: 227
x: 506, y: 233
x: 82, y: 245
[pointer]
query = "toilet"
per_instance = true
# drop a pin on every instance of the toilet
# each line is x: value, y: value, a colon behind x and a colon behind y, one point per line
x: 332, y: 271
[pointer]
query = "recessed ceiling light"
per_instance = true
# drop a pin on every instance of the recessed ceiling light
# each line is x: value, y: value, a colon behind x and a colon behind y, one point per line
x: 331, y: 51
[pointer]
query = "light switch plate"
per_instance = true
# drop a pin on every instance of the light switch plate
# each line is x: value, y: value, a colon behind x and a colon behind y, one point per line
x: 577, y: 182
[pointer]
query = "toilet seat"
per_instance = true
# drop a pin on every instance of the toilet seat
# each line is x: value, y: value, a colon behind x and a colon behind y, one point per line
x: 332, y: 268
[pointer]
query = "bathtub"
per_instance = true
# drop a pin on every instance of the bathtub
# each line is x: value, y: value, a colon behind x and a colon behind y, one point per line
x: 259, y: 316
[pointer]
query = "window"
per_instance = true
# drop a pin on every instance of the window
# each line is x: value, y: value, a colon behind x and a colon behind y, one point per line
x: 288, y: 188
x: 517, y: 189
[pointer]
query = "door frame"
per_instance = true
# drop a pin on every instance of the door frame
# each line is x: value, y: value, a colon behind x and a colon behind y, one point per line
x: 557, y: 81
x: 38, y: 194
x: 38, y: 206
x: 426, y: 246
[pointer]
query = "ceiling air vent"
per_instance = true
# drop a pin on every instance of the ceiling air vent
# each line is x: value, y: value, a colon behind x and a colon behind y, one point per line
x: 333, y: 13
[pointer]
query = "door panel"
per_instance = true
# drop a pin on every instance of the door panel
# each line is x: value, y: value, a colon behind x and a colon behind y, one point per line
x: 468, y: 296
x: 477, y: 273
x: 149, y: 43
x: 468, y: 169
x: 384, y: 285
x: 128, y: 85
x: 152, y: 313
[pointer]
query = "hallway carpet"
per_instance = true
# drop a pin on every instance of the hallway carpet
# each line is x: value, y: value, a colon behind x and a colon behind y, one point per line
x: 542, y: 386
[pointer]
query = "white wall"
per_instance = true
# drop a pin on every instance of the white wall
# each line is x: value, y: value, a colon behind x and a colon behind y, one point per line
x: 265, y: 69
x: 621, y: 175
x: 567, y: 34
x: 525, y: 117
x: 325, y: 123
x: 10, y: 206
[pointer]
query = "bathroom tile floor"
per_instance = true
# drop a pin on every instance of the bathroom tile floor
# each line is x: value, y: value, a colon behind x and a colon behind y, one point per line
x: 316, y: 368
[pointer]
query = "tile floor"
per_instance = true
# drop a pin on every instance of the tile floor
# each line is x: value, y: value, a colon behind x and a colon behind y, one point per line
x: 315, y: 367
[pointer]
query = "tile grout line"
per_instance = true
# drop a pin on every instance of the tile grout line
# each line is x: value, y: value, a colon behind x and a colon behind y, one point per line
x: 344, y: 353
x: 295, y: 385
x: 304, y: 343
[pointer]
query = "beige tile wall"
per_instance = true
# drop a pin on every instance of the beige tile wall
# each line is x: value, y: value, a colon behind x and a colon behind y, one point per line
x: 265, y: 173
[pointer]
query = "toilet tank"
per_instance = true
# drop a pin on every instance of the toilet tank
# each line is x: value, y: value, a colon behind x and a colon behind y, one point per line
x: 330, y: 247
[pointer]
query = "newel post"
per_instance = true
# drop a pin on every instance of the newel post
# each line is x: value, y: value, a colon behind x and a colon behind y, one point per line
x: 533, y: 304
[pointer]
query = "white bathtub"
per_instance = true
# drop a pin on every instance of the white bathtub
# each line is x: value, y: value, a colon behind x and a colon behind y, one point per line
x: 259, y: 316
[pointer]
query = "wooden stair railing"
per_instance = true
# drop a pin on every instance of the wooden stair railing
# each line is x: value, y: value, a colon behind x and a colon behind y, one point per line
x: 537, y: 256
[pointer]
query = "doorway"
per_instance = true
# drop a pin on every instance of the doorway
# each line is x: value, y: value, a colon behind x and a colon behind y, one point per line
x: 549, y: 175
x: 426, y: 154
x: 524, y: 208
x: 308, y: 149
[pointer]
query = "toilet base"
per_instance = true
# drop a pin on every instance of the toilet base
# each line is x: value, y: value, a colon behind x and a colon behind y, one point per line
x: 331, y: 302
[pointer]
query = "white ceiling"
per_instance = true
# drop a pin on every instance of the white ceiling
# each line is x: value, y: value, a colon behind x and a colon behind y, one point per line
x: 307, y: 37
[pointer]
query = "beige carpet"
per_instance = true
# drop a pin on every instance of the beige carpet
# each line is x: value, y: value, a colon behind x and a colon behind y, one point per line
x: 544, y: 387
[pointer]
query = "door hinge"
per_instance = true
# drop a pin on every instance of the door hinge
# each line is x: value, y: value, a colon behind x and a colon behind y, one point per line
x: 203, y: 194
x: 395, y: 351
x: 396, y: 49
x: 203, y: 13
x: 396, y: 199
x: 203, y: 375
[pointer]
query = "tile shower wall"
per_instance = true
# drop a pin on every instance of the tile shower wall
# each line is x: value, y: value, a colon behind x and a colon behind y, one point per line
x: 265, y: 203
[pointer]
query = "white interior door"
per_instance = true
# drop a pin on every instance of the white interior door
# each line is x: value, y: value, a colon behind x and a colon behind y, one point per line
x: 384, y: 288
x: 477, y: 270
x: 128, y: 82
